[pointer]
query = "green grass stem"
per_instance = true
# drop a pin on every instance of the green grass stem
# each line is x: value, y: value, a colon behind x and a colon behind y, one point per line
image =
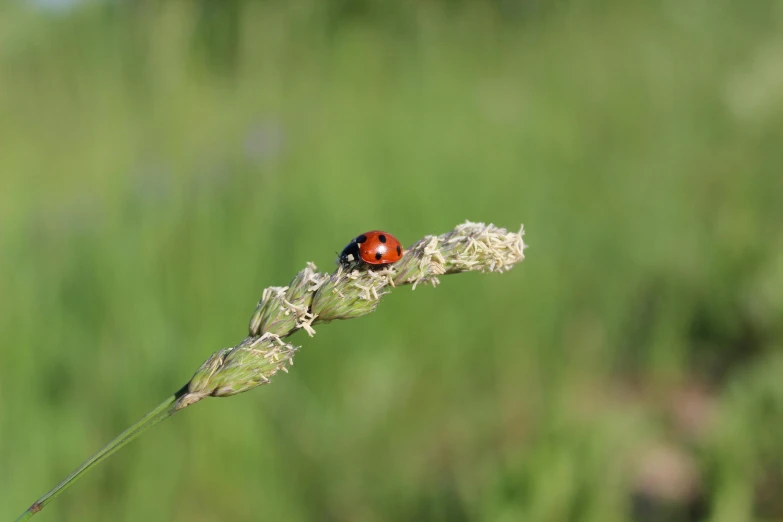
x: 312, y: 298
x: 161, y: 412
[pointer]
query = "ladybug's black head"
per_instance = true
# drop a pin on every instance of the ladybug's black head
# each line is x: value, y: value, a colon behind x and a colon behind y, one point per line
x: 350, y: 254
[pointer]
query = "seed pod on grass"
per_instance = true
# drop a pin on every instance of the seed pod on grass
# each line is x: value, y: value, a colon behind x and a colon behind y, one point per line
x: 469, y: 247
x: 284, y: 309
x: 241, y: 368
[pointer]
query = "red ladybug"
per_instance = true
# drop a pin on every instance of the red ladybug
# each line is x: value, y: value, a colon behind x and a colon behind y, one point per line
x: 374, y: 248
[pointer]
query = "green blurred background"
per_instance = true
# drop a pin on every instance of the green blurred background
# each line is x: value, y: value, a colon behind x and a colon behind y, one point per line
x: 163, y: 162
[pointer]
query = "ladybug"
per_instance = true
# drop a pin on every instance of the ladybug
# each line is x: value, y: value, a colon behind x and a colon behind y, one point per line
x: 375, y: 248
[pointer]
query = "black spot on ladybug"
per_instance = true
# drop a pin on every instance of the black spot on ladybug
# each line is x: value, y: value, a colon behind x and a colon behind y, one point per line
x: 361, y: 239
x: 399, y: 250
x: 382, y: 238
x: 378, y: 256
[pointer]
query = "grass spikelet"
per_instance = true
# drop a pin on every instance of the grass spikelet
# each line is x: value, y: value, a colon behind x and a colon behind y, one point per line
x: 312, y: 298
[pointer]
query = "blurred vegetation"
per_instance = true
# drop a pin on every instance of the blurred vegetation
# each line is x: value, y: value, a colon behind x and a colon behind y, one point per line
x: 162, y: 162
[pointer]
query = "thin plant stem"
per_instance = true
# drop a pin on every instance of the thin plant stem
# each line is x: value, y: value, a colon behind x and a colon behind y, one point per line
x: 161, y: 412
x: 313, y: 298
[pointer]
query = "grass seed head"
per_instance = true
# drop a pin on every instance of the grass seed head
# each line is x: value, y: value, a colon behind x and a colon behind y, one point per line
x: 313, y: 297
x: 469, y: 247
x: 283, y: 310
x: 241, y: 368
x: 348, y: 294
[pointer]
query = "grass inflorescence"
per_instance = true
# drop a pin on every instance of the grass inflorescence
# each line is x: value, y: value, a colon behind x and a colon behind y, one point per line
x: 310, y: 299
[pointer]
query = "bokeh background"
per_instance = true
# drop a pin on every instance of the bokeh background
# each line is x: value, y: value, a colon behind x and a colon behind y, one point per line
x: 161, y: 162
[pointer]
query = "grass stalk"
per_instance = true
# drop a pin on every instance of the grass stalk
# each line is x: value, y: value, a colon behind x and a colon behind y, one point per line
x: 313, y: 298
x: 159, y: 413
